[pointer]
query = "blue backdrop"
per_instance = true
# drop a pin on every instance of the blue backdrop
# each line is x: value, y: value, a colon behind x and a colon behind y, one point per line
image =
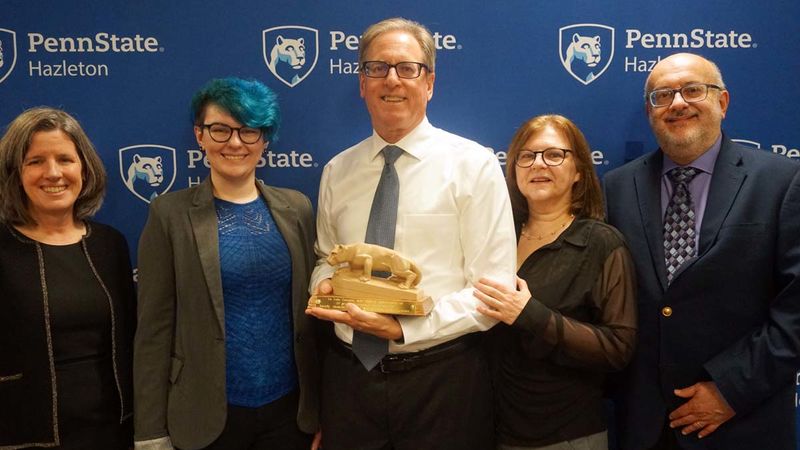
x: 127, y: 71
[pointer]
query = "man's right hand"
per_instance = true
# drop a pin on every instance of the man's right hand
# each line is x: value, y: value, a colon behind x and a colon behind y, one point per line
x: 381, y: 325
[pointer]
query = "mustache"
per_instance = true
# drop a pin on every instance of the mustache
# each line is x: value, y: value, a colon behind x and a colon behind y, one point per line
x: 678, y: 114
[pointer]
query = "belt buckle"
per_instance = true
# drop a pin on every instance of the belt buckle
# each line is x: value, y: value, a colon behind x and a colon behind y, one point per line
x: 385, y: 360
x: 402, y: 361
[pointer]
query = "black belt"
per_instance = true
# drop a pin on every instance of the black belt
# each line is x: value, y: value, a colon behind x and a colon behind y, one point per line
x: 401, y: 362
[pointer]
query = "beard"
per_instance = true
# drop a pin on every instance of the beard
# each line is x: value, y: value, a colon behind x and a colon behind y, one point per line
x: 688, y: 143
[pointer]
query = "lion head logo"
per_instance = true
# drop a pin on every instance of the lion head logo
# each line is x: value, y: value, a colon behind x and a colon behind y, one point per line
x: 8, y: 52
x: 581, y: 50
x: 147, y: 170
x: 288, y: 50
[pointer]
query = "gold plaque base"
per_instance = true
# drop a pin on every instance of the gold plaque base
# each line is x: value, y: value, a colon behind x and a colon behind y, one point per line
x: 376, y: 295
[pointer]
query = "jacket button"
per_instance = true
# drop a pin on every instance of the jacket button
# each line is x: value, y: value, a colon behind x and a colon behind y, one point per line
x: 666, y: 311
x: 297, y: 338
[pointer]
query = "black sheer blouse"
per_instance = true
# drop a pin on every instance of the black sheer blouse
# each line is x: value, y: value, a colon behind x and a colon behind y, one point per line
x: 550, y: 365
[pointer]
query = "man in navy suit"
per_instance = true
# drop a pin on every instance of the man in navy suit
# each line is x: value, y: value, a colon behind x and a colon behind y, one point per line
x: 714, y: 230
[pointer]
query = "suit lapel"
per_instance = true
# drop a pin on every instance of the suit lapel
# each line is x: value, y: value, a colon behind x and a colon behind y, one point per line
x: 726, y: 182
x: 203, y: 217
x: 285, y: 218
x: 647, y: 182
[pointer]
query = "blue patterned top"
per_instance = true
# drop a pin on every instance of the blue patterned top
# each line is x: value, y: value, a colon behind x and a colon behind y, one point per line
x: 256, y: 285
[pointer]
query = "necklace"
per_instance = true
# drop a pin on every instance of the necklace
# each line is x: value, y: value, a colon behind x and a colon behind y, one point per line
x: 531, y: 237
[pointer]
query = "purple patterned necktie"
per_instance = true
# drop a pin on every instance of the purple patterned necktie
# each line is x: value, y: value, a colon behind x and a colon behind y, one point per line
x: 370, y: 349
x: 679, y: 233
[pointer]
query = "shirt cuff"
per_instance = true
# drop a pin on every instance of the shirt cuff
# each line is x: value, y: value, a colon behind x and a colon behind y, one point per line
x: 533, y: 317
x: 162, y: 443
x: 320, y: 273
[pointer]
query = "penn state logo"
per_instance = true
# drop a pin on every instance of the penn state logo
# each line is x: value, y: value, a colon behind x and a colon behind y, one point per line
x: 586, y: 50
x: 147, y: 170
x: 290, y: 52
x: 8, y: 52
x: 748, y: 143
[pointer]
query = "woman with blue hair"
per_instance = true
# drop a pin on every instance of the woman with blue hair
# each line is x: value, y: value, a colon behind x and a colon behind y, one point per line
x: 224, y: 356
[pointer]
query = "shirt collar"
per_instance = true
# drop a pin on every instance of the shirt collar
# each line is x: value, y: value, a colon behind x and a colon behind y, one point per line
x: 577, y: 234
x: 414, y: 143
x: 705, y: 162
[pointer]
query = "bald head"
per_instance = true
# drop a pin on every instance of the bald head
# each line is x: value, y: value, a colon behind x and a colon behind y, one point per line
x: 680, y: 61
x: 687, y: 129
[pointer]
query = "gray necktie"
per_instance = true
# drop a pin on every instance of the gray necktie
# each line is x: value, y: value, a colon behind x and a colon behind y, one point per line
x: 679, y: 233
x: 370, y: 349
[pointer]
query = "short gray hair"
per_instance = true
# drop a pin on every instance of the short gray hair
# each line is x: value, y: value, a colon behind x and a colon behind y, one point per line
x: 415, y: 29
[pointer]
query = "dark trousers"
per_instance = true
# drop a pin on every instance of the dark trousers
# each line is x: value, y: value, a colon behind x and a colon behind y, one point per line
x: 445, y: 404
x: 113, y: 436
x: 269, y: 427
x: 667, y: 440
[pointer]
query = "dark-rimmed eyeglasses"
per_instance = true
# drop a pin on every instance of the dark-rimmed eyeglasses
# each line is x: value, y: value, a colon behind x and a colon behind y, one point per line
x: 222, y: 133
x: 551, y: 156
x: 404, y: 69
x: 691, y: 93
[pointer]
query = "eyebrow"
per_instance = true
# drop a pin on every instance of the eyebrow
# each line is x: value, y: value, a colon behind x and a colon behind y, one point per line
x: 682, y: 85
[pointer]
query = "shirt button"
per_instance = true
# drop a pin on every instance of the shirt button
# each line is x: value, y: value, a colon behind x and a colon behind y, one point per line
x: 666, y: 311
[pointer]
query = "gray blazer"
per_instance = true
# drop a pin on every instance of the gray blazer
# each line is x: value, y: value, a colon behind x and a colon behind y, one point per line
x: 179, y: 350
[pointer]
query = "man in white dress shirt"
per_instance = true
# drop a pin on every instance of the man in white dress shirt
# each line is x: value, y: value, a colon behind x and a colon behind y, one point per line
x: 432, y: 391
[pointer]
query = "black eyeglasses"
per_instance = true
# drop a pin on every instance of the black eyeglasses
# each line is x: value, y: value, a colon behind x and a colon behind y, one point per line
x: 691, y: 93
x: 404, y: 69
x: 220, y: 132
x: 551, y: 156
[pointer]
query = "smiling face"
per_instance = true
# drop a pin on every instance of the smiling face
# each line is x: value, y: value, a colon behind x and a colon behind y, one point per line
x: 233, y: 161
x: 547, y: 188
x: 686, y: 130
x: 51, y: 175
x: 396, y: 105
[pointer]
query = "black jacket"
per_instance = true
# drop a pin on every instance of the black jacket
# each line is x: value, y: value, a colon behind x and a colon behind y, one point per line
x: 28, y: 394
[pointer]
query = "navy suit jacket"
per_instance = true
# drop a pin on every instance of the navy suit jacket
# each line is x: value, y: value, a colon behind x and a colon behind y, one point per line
x: 735, y: 307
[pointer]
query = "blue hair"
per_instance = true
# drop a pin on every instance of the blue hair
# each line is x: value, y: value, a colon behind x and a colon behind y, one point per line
x: 248, y: 101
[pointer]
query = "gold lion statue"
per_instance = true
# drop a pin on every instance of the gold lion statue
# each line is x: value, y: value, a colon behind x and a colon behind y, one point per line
x: 369, y: 257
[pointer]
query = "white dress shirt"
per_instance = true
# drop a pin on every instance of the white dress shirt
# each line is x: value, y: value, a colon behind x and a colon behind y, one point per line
x: 454, y: 221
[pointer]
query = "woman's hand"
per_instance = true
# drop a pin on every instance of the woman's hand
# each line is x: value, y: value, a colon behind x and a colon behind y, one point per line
x: 499, y: 302
x: 316, y: 444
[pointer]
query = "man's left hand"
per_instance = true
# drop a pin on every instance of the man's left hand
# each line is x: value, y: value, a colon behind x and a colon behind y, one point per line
x: 705, y: 411
x: 381, y: 325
